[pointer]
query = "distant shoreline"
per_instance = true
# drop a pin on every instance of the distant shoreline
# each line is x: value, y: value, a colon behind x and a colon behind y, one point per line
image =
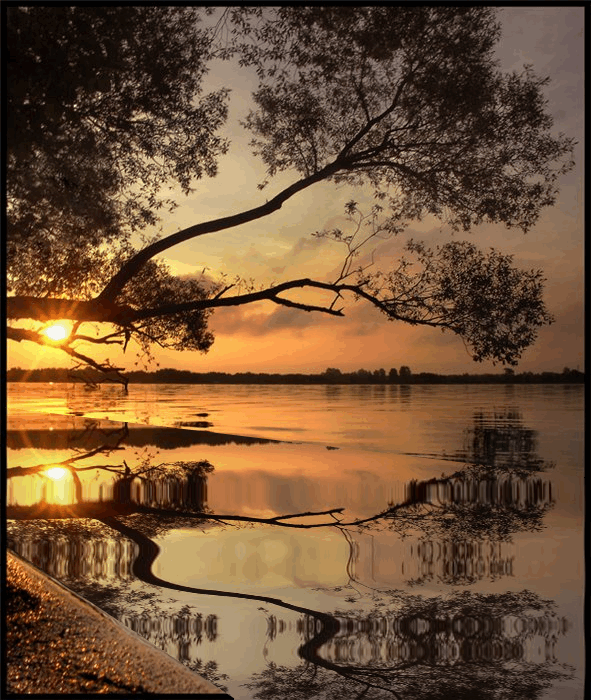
x: 330, y: 377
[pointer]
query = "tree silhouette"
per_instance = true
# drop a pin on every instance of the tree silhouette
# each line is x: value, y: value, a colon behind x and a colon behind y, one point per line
x: 407, y: 102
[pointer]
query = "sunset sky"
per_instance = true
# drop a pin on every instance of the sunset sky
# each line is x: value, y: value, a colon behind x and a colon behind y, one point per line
x: 267, y: 338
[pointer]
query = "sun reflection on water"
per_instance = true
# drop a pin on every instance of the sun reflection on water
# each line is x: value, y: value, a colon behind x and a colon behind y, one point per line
x: 60, y: 488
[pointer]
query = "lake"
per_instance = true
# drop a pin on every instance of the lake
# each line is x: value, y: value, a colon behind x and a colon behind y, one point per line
x: 318, y: 542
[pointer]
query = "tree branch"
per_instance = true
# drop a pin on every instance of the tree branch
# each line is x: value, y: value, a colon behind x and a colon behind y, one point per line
x: 127, y: 315
x: 269, y: 294
x: 102, y: 508
x: 378, y: 118
x: 49, y: 308
x: 20, y: 334
x: 307, y: 307
x: 131, y: 267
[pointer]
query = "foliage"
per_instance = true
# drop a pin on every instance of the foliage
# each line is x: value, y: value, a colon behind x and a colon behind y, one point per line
x: 409, y: 99
x: 154, y: 287
x: 174, y: 376
x: 104, y: 108
x: 470, y: 682
x: 93, y: 138
x: 494, y: 307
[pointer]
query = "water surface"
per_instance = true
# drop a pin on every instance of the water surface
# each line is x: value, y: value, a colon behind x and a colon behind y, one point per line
x: 471, y: 578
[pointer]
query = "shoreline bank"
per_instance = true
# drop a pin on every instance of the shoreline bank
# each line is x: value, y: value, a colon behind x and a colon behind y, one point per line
x: 59, y: 643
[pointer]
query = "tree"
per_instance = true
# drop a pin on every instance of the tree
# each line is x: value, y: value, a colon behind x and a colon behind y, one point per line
x: 405, y: 102
x: 404, y: 373
x: 333, y: 374
x: 363, y: 376
x: 393, y: 375
x: 379, y: 375
x: 93, y: 139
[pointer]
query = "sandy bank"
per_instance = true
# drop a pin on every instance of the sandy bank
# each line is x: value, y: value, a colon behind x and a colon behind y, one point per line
x: 58, y: 643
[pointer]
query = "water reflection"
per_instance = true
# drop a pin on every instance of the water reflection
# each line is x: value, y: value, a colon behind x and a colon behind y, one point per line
x: 362, y: 392
x: 458, y: 522
x: 69, y: 559
x: 435, y: 639
x: 477, y: 502
x: 460, y: 562
x: 499, y: 439
x: 97, y: 490
x: 94, y: 435
x: 74, y: 550
x: 332, y: 392
x: 182, y: 630
x: 85, y: 435
x: 95, y: 527
x: 405, y: 394
x: 487, y: 646
x: 463, y: 640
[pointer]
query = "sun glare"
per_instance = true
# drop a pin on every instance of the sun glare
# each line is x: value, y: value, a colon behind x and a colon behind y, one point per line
x: 57, y: 332
x: 56, y: 473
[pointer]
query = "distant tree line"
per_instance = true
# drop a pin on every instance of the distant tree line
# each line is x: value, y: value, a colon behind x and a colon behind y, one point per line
x: 331, y: 375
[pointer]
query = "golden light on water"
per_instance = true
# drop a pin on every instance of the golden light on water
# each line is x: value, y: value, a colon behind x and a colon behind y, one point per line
x: 56, y: 473
x: 56, y: 332
x: 59, y: 489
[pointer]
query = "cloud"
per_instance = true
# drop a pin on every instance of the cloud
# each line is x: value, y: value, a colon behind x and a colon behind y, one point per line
x: 267, y: 257
x: 360, y: 320
x: 254, y: 320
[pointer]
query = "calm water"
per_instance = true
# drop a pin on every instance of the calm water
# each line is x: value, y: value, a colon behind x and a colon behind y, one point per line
x: 450, y: 566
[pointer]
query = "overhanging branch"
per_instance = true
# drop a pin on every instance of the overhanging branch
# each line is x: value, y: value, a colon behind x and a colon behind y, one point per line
x: 134, y: 264
x: 20, y: 334
x: 125, y: 315
x: 51, y: 309
x: 306, y: 307
x: 269, y: 294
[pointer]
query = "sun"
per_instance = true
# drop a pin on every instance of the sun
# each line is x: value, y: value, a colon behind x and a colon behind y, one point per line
x: 56, y: 473
x: 56, y: 332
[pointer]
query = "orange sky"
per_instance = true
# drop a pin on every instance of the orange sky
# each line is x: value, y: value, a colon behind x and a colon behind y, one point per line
x: 266, y: 338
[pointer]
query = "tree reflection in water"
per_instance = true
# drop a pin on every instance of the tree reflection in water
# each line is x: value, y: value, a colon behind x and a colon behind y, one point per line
x: 462, y: 522
x: 460, y: 562
x: 465, y: 645
x: 499, y: 439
